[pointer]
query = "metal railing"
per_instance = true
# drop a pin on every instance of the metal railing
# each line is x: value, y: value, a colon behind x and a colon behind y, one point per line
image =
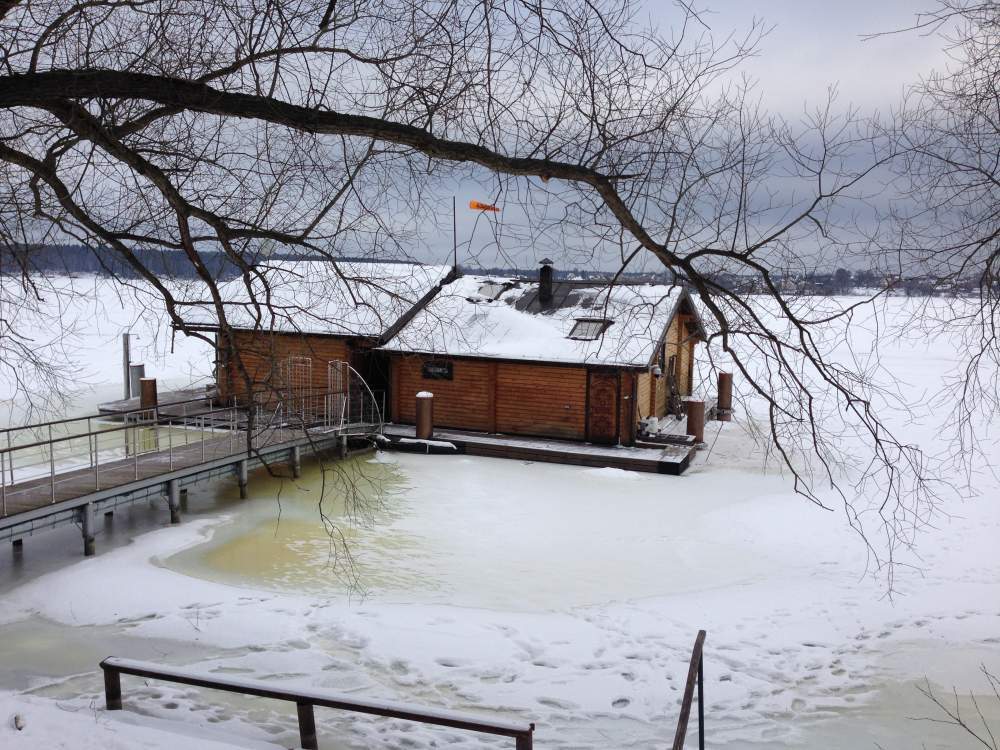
x: 696, y: 675
x: 165, y: 436
x: 306, y: 700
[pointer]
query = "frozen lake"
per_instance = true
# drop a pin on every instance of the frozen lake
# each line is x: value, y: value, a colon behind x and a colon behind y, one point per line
x: 563, y: 595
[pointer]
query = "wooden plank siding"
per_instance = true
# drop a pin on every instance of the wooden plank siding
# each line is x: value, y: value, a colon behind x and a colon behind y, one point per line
x: 541, y: 400
x: 489, y: 396
x: 644, y: 395
x: 463, y: 402
x: 262, y: 353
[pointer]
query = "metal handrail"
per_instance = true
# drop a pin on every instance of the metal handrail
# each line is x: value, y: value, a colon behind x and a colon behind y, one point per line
x: 155, y: 422
x: 696, y: 674
x: 306, y: 700
x: 84, y: 418
x: 152, y: 419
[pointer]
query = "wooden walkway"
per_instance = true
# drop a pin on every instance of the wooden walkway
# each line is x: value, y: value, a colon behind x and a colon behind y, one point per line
x: 668, y: 459
x: 109, y: 474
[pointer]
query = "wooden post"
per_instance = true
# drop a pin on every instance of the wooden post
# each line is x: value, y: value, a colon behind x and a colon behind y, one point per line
x: 524, y: 741
x: 147, y: 393
x: 87, y: 527
x: 425, y: 415
x: 241, y: 477
x: 112, y: 689
x: 174, y: 500
x: 296, y: 458
x: 701, y: 703
x: 696, y: 420
x: 725, y: 402
x: 307, y: 726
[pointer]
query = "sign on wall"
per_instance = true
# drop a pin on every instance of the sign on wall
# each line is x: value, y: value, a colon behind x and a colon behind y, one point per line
x: 437, y: 370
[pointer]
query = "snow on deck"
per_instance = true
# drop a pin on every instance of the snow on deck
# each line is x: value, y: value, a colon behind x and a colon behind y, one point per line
x: 669, y: 459
x: 486, y: 316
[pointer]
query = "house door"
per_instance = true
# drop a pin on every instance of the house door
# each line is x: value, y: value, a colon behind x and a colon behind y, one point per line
x: 602, y: 407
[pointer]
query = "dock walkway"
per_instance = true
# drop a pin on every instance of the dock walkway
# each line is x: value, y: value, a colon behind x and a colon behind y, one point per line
x: 69, y: 470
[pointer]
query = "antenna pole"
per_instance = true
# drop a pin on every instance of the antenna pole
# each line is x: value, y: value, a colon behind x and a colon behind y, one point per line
x: 454, y: 233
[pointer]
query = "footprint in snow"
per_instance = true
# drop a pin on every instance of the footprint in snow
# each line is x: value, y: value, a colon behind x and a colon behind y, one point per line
x: 556, y: 703
x: 620, y: 703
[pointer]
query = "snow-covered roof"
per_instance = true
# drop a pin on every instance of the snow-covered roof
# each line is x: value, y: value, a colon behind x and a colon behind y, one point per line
x: 503, y: 318
x: 320, y: 297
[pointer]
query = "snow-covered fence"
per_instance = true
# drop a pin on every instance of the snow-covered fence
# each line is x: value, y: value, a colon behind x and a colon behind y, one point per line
x: 306, y: 699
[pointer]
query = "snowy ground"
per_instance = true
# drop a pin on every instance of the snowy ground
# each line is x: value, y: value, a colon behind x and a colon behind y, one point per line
x: 557, y: 594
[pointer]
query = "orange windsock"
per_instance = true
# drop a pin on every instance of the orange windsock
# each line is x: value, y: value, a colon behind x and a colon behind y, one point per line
x: 477, y: 206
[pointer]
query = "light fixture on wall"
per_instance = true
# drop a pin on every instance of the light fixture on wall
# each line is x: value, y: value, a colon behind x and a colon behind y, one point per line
x: 657, y: 371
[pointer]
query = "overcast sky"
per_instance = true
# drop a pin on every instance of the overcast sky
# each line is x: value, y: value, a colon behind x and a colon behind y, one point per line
x: 818, y: 43
x: 814, y: 44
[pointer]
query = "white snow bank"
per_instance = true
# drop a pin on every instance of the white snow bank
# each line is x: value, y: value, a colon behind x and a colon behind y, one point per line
x: 55, y: 724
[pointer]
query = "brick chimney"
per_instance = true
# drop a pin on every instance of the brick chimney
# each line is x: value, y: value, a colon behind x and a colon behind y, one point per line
x: 545, y: 282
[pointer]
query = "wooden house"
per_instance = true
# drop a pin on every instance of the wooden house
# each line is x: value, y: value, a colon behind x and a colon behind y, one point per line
x: 557, y: 359
x: 303, y: 315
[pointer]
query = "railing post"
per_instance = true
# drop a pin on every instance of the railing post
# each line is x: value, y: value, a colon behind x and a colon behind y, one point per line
x: 307, y: 726
x: 170, y: 447
x: 701, y: 702
x: 112, y: 689
x: 3, y: 486
x: 97, y: 462
x: 10, y: 457
x: 52, y: 466
x: 524, y: 741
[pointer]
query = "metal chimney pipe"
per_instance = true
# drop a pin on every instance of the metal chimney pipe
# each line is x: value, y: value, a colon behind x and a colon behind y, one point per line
x: 545, y: 282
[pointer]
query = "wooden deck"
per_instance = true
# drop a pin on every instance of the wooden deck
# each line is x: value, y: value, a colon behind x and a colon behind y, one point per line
x: 669, y: 459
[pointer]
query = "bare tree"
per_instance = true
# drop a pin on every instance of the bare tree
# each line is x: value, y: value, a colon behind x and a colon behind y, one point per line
x: 331, y: 127
x: 977, y: 728
x: 946, y: 218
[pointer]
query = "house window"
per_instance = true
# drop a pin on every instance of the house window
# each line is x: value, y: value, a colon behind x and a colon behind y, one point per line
x: 588, y: 329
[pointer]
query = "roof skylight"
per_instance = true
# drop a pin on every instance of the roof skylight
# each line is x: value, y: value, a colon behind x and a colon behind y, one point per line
x: 588, y: 329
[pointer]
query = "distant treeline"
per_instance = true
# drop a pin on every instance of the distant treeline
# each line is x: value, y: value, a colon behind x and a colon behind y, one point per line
x: 77, y: 259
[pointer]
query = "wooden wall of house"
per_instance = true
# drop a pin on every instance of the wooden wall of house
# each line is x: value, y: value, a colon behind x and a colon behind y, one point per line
x: 541, y: 400
x: 512, y: 398
x: 263, y: 353
x: 644, y: 395
x: 684, y: 362
x: 464, y: 402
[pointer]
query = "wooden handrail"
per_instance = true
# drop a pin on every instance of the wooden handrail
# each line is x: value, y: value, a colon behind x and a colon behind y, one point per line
x: 696, y: 674
x: 305, y: 700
